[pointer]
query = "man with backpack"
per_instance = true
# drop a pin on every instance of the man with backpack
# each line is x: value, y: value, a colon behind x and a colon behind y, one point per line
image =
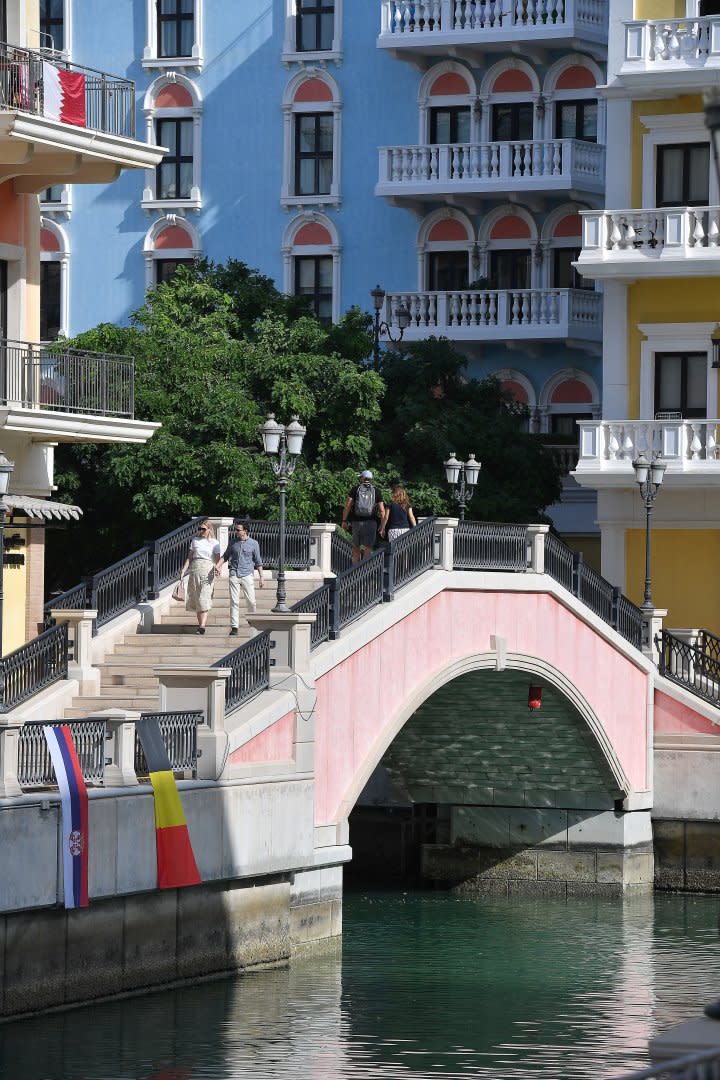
x: 362, y: 510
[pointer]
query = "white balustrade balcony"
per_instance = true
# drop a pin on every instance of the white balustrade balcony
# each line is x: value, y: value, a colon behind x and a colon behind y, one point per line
x: 431, y: 27
x: 651, y: 243
x: 572, y: 315
x: 608, y: 448
x: 489, y: 168
x: 674, y: 54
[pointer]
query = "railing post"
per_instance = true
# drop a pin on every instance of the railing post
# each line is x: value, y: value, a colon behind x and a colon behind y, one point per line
x: 446, y: 15
x: 445, y: 531
x: 652, y: 628
x: 578, y: 561
x: 199, y: 688
x: 80, y: 626
x: 9, y: 749
x: 290, y: 639
x: 388, y: 574
x: 322, y: 533
x: 536, y: 545
x: 334, y: 614
x: 153, y: 556
x: 120, y: 759
x: 615, y: 612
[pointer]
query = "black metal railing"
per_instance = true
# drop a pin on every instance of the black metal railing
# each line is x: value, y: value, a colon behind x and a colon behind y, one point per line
x: 340, y: 553
x: 24, y: 76
x: 75, y: 599
x: 297, y: 544
x: 167, y: 556
x: 35, y: 768
x: 67, y: 380
x: 488, y: 545
x: 317, y: 603
x: 594, y: 591
x: 120, y: 587
x: 409, y: 556
x: 688, y: 665
x: 355, y: 591
x: 559, y: 561
x: 709, y: 643
x: 250, y: 670
x: 178, y: 731
x: 29, y: 669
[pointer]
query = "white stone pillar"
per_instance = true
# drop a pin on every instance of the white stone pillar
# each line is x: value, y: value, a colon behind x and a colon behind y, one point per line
x: 536, y: 544
x: 652, y: 625
x: 222, y: 526
x: 9, y: 748
x: 80, y: 624
x: 290, y: 635
x: 322, y: 534
x: 446, y: 528
x: 198, y: 686
x: 120, y: 772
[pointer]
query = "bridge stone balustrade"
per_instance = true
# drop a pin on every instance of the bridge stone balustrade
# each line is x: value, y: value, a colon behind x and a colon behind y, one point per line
x: 201, y: 687
x: 80, y: 622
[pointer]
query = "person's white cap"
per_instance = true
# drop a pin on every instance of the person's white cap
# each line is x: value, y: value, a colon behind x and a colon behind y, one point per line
x: 366, y: 474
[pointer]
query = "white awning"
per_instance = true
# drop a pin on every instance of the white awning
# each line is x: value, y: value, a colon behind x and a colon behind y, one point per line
x: 43, y: 508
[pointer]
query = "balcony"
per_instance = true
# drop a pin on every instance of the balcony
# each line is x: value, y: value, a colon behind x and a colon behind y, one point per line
x: 61, y: 123
x: 569, y: 316
x: 681, y: 240
x: 467, y: 28
x: 550, y: 166
x: 671, y: 54
x: 69, y: 395
x: 608, y: 447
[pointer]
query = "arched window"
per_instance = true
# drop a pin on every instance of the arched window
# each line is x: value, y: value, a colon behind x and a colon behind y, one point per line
x: 170, y: 242
x: 510, y: 92
x: 173, y: 34
x: 311, y: 163
x: 54, y: 300
x: 562, y: 238
x: 312, y: 264
x: 571, y: 99
x: 508, y: 244
x: 173, y: 118
x: 446, y: 247
x: 446, y: 98
x: 567, y: 397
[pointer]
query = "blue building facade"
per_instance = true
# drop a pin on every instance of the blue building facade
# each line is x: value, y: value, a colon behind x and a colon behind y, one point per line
x: 441, y: 148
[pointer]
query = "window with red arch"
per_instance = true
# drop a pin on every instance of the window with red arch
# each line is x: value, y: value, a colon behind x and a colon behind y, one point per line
x: 313, y: 269
x: 566, y: 244
x: 448, y: 256
x: 168, y: 253
x: 513, y: 118
x: 570, y: 401
x: 576, y: 110
x: 510, y: 264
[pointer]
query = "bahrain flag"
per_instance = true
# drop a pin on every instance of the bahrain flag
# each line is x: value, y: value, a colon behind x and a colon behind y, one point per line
x: 176, y: 864
x: 64, y: 95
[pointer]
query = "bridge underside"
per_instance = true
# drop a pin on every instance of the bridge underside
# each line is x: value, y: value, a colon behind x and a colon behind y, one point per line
x: 495, y: 797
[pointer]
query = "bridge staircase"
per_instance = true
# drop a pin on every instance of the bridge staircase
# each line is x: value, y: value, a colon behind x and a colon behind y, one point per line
x: 127, y: 679
x: 691, y: 659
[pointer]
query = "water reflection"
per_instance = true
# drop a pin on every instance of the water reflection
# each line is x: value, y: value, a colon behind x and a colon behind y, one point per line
x: 428, y: 985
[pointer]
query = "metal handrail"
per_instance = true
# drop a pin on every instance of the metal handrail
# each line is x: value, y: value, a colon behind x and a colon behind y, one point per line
x: 120, y: 587
x: 355, y: 591
x: 317, y: 603
x: 35, y: 768
x: 167, y: 556
x: 340, y: 553
x: 109, y: 99
x: 178, y: 731
x: 409, y: 556
x: 689, y: 666
x: 297, y: 543
x: 489, y: 545
x: 34, y: 666
x: 250, y: 670
x: 689, y: 1067
x: 59, y: 378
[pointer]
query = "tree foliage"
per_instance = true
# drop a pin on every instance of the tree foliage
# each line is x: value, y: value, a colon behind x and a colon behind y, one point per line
x: 216, y: 350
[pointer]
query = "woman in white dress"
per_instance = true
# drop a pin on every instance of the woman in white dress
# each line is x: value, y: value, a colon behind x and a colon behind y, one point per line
x: 201, y: 560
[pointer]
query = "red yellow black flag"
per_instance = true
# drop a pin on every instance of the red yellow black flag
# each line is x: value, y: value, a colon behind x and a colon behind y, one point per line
x: 176, y: 864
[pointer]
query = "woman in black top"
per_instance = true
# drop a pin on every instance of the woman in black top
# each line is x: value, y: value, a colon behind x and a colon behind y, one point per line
x: 398, y: 516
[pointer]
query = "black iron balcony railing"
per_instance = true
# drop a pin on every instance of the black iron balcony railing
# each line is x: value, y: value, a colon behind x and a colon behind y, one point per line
x: 66, y: 380
x: 101, y: 102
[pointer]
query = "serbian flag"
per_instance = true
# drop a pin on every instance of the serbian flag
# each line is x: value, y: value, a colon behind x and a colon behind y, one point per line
x: 175, y: 859
x: 64, y: 95
x: 74, y: 814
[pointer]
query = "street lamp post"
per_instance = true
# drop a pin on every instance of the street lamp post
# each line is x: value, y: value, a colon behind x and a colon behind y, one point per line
x: 382, y: 327
x: 649, y: 476
x: 6, y: 467
x: 283, y: 446
x: 462, y: 477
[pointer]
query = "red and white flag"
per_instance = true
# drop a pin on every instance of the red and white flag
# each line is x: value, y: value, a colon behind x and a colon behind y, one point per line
x: 64, y: 95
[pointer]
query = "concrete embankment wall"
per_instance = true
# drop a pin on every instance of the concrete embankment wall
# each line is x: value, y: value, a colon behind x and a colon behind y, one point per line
x: 266, y: 892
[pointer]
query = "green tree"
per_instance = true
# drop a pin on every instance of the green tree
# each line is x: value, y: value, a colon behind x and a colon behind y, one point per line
x: 430, y: 408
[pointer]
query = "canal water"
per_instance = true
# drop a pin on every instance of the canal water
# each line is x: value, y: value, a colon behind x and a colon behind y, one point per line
x: 426, y: 985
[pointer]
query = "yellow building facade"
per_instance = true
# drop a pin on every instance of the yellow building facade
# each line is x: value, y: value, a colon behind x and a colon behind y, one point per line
x: 656, y: 251
x: 82, y: 133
